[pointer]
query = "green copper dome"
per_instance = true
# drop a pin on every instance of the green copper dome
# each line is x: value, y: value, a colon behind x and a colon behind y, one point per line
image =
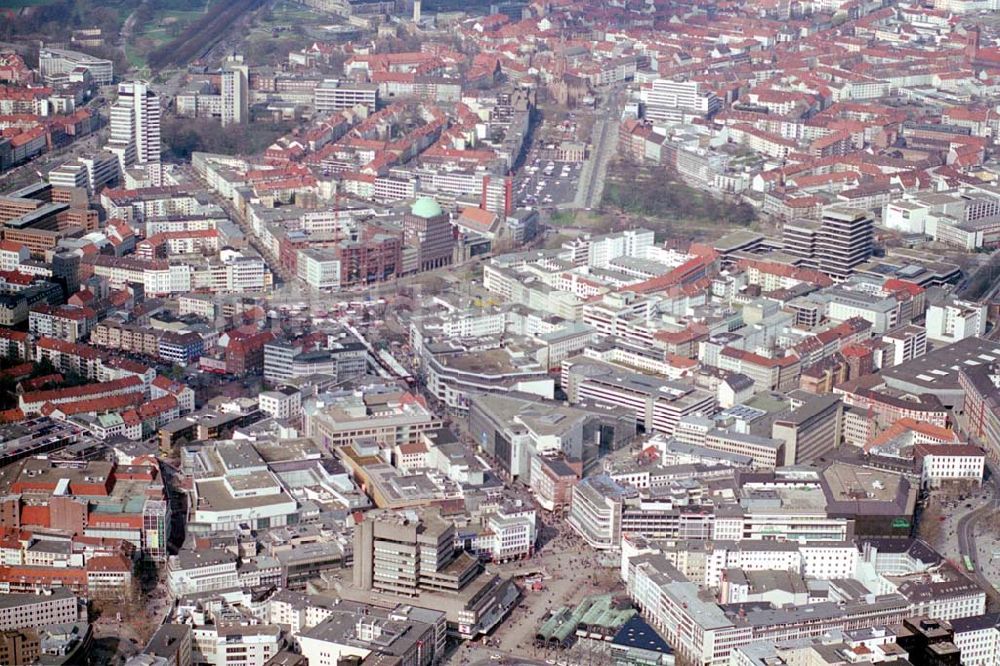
x: 426, y: 208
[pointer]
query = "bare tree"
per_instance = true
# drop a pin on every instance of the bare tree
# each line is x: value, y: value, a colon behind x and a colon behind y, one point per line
x: 931, y: 518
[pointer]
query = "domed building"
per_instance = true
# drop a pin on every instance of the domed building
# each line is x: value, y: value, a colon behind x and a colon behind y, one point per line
x: 426, y: 208
x: 428, y: 237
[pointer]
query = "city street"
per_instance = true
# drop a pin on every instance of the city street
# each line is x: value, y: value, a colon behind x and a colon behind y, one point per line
x: 311, y: 306
x: 985, y: 541
x: 978, y: 537
x: 603, y: 144
x: 562, y: 559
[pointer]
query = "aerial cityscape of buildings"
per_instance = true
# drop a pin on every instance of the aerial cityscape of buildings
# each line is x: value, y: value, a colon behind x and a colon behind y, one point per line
x: 401, y: 333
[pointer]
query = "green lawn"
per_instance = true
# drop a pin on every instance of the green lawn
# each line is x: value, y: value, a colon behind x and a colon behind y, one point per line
x: 135, y: 59
x: 160, y: 30
x: 289, y: 14
x: 181, y: 14
x: 158, y: 36
x: 563, y: 218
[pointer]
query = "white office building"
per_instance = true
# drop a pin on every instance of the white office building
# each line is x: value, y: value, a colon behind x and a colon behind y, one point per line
x: 955, y: 320
x: 54, y: 62
x: 946, y: 463
x: 978, y: 638
x: 319, y: 268
x: 906, y: 343
x: 282, y: 404
x: 191, y: 572
x: 226, y: 644
x: 670, y: 101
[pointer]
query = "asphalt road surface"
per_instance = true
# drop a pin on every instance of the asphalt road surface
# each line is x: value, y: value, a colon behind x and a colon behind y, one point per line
x: 966, y: 532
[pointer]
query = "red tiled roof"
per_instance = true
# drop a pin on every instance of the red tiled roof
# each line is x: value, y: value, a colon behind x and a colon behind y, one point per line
x: 154, y: 408
x: 94, y: 405
x: 757, y: 359
x: 69, y: 348
x: 686, y: 272
x: 895, y: 284
x: 412, y: 448
x: 68, y: 394
x: 20, y: 370
x: 103, y: 563
x: 11, y: 416
x: 923, y: 449
x: 43, y: 575
x: 905, y: 425
x: 35, y: 515
x: 19, y: 336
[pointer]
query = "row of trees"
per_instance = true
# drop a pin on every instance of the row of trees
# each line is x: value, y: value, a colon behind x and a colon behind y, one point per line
x: 656, y: 194
x: 183, y: 136
x: 54, y: 21
x: 8, y: 383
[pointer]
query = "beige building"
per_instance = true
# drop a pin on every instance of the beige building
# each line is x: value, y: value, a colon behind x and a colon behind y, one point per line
x: 410, y: 557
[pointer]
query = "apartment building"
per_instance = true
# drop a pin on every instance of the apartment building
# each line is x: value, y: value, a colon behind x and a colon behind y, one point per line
x: 170, y: 346
x: 32, y: 402
x: 19, y: 648
x: 886, y: 406
x: 64, y: 322
x: 335, y: 95
x: 29, y: 611
x: 908, y: 342
x: 768, y: 373
x: 552, y: 481
x: 234, y: 90
x: 12, y: 255
x: 135, y: 128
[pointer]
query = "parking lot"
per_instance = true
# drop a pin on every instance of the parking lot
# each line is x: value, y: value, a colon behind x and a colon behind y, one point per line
x: 546, y: 183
